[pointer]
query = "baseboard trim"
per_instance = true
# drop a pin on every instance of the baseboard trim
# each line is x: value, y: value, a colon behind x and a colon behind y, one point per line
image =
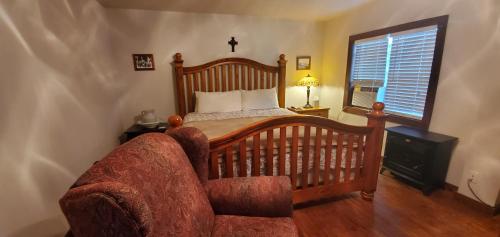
x: 471, y: 202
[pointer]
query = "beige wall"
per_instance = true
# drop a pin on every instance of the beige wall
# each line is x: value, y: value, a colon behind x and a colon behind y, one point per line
x: 202, y: 38
x: 67, y: 88
x: 468, y: 91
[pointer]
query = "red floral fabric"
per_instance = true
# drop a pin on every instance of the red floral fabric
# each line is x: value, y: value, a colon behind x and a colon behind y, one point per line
x: 243, y: 226
x: 156, y: 166
x: 269, y: 196
x: 148, y: 187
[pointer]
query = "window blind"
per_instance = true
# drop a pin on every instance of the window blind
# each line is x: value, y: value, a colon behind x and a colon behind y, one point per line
x: 410, y: 66
x: 369, y: 61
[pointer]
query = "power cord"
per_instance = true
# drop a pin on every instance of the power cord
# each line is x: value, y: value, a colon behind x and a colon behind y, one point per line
x: 469, y: 181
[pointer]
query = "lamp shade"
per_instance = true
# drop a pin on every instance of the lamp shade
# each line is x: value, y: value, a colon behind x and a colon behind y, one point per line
x: 308, y: 81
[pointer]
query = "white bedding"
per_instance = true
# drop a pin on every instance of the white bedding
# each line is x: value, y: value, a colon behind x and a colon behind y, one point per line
x: 194, y: 117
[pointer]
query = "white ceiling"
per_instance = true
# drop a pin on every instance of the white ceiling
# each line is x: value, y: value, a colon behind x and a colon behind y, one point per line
x: 285, y: 9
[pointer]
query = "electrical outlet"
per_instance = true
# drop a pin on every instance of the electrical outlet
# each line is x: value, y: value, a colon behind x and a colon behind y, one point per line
x: 473, y: 175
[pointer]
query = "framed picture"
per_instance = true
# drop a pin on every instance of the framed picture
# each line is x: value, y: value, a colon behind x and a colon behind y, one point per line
x: 303, y: 62
x: 143, y: 62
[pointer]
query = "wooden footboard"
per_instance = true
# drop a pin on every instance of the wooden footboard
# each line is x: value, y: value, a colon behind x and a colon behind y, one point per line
x: 322, y: 157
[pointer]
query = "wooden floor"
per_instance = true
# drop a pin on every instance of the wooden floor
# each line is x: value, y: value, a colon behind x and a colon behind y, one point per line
x: 397, y: 210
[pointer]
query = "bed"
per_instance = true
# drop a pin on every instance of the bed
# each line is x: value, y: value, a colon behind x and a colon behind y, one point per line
x: 322, y: 157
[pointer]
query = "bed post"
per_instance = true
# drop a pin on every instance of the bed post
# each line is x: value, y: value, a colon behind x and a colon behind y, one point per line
x: 181, y: 103
x: 281, y: 81
x: 376, y: 120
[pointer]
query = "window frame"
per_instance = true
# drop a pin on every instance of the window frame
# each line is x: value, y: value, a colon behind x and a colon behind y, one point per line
x: 441, y: 22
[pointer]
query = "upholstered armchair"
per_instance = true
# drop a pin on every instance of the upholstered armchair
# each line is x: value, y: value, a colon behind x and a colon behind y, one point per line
x: 155, y: 185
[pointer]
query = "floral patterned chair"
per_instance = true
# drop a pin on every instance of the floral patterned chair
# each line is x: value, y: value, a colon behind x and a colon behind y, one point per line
x: 149, y: 187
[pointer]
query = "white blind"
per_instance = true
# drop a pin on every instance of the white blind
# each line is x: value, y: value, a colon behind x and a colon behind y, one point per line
x: 369, y: 60
x: 410, y: 66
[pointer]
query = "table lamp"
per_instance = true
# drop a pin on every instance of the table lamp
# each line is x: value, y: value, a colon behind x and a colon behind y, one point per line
x: 308, y: 81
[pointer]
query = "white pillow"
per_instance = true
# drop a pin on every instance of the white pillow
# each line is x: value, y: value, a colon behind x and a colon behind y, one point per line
x: 259, y: 99
x: 210, y: 102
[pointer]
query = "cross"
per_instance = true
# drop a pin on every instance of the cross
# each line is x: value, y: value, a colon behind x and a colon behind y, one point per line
x: 233, y: 43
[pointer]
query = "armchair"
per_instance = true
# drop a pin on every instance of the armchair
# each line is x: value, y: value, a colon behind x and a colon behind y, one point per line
x: 147, y: 187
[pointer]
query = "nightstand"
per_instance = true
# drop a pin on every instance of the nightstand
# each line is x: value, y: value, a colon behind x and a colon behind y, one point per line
x: 316, y: 111
x: 136, y: 130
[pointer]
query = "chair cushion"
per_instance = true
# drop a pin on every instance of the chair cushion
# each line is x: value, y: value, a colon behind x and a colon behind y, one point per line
x: 241, y: 226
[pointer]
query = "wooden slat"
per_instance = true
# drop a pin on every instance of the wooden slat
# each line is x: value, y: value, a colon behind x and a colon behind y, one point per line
x: 243, y: 76
x: 189, y: 93
x: 305, y: 156
x: 243, y: 158
x: 317, y: 154
x: 293, y: 156
x: 273, y: 79
x: 282, y: 155
x: 359, y: 156
x: 229, y: 162
x: 217, y: 78
x: 196, y: 82
x: 230, y: 77
x: 338, y: 158
x: 249, y: 77
x: 262, y: 80
x: 328, y: 156
x: 347, y: 174
x: 211, y: 79
x: 203, y: 80
x: 256, y: 78
x: 237, y: 78
x: 214, y: 167
x: 268, y: 78
x: 223, y: 77
x: 269, y: 153
x: 256, y: 155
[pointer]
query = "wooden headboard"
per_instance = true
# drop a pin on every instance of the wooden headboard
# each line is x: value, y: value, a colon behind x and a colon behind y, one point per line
x: 226, y: 74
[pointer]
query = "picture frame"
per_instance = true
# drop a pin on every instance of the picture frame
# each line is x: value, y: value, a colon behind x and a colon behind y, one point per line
x: 303, y: 63
x: 143, y: 62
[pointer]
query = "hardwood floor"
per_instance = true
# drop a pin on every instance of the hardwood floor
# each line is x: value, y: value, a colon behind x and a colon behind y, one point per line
x: 397, y: 210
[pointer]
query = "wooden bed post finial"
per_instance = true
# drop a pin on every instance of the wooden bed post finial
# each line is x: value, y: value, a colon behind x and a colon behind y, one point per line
x: 281, y: 80
x: 174, y: 121
x: 376, y: 120
x: 179, y: 74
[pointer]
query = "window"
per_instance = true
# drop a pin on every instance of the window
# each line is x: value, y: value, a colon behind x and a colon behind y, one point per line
x: 398, y: 66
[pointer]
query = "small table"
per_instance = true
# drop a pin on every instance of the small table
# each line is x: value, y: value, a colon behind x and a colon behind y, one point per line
x: 316, y: 111
x: 136, y: 130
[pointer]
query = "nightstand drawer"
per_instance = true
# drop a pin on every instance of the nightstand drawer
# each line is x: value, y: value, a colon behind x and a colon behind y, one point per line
x: 319, y: 113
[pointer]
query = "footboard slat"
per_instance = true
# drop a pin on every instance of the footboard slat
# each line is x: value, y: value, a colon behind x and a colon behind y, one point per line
x: 317, y: 154
x: 229, y: 163
x: 347, y: 174
x: 214, y: 167
x: 269, y: 153
x: 359, y: 156
x: 243, y: 158
x: 282, y: 148
x: 293, y: 156
x: 305, y: 156
x: 338, y: 158
x: 256, y: 155
x: 328, y: 156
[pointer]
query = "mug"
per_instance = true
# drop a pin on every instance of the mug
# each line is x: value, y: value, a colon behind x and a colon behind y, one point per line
x: 148, y: 116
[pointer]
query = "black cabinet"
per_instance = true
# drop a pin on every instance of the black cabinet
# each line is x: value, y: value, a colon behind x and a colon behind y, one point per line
x: 419, y: 156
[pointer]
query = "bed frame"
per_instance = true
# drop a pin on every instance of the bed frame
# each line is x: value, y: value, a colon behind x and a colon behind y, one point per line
x: 357, y: 147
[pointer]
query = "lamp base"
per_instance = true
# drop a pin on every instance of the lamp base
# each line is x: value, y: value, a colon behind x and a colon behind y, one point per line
x: 308, y: 106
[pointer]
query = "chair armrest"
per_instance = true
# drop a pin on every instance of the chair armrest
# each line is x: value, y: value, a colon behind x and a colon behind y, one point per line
x: 265, y: 196
x: 106, y: 207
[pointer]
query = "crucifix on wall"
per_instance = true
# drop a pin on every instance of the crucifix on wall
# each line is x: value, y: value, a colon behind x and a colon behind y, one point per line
x: 233, y: 43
